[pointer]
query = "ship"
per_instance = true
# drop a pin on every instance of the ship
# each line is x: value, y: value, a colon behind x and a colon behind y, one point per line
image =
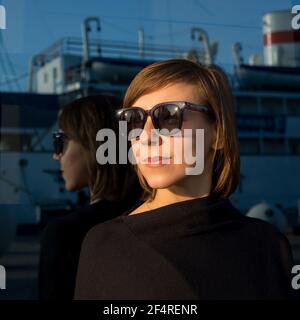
x: 268, y: 118
x: 267, y: 99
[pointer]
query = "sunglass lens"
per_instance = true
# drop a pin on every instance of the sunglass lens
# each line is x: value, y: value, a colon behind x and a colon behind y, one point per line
x: 135, y: 120
x: 58, y: 143
x: 168, y: 118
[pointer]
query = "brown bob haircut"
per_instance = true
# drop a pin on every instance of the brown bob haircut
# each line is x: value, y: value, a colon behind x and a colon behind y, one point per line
x: 81, y: 120
x: 215, y: 92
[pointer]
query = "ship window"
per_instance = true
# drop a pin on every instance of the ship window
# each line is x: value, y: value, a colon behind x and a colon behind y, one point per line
x: 293, y: 106
x: 10, y: 115
x: 253, y: 124
x: 54, y: 73
x: 272, y: 106
x: 15, y: 142
x: 249, y: 146
x: 247, y: 105
x: 294, y: 146
x: 274, y: 146
x: 45, y: 77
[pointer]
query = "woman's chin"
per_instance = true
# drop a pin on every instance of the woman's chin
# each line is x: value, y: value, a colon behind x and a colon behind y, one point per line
x: 71, y: 186
x: 162, y: 182
x: 74, y: 184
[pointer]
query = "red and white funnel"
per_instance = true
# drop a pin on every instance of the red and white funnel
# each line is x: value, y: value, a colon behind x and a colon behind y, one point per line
x: 281, y: 42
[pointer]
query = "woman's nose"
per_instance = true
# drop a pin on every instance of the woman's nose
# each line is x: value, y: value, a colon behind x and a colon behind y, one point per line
x: 56, y: 156
x: 149, y: 135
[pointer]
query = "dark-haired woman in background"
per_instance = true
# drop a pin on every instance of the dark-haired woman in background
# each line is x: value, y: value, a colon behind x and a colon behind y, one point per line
x: 113, y: 190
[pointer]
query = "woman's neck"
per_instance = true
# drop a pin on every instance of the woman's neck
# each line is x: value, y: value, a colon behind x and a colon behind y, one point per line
x: 165, y: 197
x: 188, y: 188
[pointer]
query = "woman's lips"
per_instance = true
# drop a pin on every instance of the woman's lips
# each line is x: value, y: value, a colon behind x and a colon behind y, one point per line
x: 156, y: 161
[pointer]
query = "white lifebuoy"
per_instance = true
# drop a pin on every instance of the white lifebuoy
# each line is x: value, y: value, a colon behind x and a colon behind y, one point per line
x: 269, y: 213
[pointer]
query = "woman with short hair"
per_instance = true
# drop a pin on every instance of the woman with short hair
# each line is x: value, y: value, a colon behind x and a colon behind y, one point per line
x: 186, y: 240
x: 113, y: 189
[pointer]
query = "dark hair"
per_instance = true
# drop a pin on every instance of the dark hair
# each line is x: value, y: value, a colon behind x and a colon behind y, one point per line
x: 81, y: 120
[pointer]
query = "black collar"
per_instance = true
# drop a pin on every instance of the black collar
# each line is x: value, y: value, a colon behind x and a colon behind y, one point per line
x: 185, y: 216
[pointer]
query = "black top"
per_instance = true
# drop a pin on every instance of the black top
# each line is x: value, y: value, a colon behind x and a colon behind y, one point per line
x: 60, y: 247
x: 195, y: 249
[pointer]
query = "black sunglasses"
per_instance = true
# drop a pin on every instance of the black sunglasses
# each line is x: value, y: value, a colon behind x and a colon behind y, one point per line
x: 59, y: 142
x: 166, y: 117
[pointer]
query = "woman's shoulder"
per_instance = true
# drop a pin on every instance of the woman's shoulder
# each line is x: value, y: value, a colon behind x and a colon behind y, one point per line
x: 261, y: 227
x: 105, y: 232
x: 76, y: 224
x: 68, y: 222
x: 265, y: 234
x: 250, y: 231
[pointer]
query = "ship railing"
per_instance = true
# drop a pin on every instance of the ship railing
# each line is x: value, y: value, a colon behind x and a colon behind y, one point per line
x: 110, y: 48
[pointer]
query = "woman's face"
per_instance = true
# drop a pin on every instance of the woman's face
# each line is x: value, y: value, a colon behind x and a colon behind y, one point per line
x: 73, y: 165
x: 157, y: 174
